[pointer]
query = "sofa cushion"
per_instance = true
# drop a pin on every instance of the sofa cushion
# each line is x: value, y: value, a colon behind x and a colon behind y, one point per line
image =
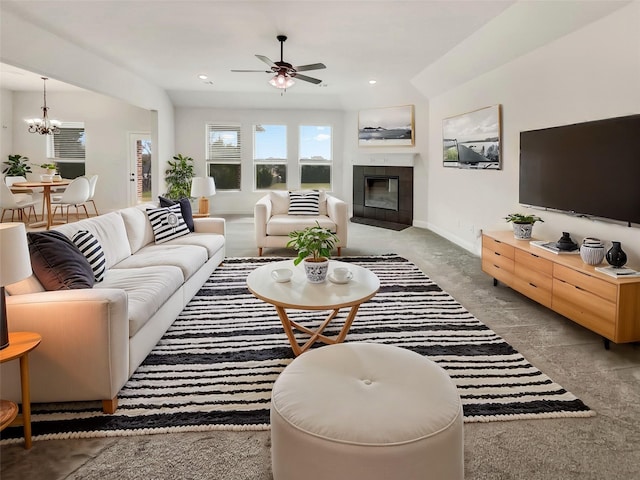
x: 147, y: 288
x: 185, y: 209
x: 167, y: 223
x: 92, y: 251
x: 304, y: 203
x: 187, y: 258
x: 281, y: 225
x: 57, y: 262
x: 138, y: 227
x: 212, y: 243
x: 110, y: 231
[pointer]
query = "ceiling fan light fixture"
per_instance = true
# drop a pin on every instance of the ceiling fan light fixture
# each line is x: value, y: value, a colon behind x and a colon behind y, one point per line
x: 282, y: 81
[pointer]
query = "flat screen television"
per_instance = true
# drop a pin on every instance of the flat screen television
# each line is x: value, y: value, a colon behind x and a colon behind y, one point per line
x: 590, y: 168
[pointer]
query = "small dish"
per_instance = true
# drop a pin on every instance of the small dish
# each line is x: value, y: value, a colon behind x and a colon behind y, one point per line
x: 333, y: 279
x: 281, y: 275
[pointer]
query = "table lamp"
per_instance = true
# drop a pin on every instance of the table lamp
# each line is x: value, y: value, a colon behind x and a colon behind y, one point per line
x: 15, y: 265
x: 203, y: 187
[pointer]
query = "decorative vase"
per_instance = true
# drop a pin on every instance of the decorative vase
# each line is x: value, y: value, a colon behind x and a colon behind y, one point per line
x: 522, y: 231
x: 566, y: 244
x: 316, y: 271
x: 616, y: 256
x: 592, y: 251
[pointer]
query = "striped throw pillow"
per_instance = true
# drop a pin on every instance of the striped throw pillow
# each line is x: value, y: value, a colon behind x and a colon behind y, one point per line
x: 92, y: 251
x: 304, y: 203
x: 167, y: 223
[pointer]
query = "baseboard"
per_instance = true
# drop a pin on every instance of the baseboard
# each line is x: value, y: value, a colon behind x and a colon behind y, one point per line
x: 468, y: 246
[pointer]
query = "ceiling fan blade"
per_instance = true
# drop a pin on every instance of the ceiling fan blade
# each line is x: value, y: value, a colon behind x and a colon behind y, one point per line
x: 261, y: 71
x: 312, y: 66
x: 266, y: 60
x: 306, y: 79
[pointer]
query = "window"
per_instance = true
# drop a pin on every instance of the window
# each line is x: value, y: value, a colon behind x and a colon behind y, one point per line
x: 315, y: 157
x: 67, y: 148
x: 223, y: 155
x: 270, y: 157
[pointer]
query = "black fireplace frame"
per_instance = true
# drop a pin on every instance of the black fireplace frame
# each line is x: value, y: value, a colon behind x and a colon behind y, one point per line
x: 362, y: 213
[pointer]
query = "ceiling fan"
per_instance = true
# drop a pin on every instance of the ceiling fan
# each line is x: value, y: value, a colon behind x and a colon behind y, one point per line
x: 285, y: 72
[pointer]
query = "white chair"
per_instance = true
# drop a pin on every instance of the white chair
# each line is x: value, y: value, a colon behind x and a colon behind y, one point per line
x: 92, y: 191
x: 9, y: 201
x: 75, y: 195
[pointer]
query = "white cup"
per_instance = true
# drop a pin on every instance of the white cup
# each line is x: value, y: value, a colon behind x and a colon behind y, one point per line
x: 281, y: 274
x: 342, y: 274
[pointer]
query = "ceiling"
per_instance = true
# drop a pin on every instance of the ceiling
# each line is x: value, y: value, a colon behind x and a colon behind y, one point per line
x: 171, y: 42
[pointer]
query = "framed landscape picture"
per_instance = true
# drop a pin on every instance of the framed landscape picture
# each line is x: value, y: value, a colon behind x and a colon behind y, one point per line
x: 472, y: 140
x: 386, y: 127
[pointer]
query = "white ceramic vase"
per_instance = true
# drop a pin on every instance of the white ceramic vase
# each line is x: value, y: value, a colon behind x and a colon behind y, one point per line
x: 316, y: 271
x: 522, y: 231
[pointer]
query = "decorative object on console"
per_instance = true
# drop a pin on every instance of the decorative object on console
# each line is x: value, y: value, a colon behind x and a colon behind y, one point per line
x: 472, y: 140
x: 43, y: 125
x: 522, y: 224
x: 386, y: 127
x: 203, y: 187
x: 592, y: 251
x: 566, y: 243
x: 314, y: 245
x: 616, y: 256
x: 14, y: 266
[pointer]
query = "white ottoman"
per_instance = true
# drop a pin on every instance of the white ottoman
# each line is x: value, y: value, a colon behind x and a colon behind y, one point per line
x: 365, y: 411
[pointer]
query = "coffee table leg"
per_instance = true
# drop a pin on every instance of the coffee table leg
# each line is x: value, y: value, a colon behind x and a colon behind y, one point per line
x: 286, y: 324
x: 347, y: 324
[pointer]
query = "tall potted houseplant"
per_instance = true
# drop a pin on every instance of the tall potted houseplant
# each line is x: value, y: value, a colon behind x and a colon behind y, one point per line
x: 178, y: 177
x: 314, y: 246
x: 522, y: 224
x: 17, y: 166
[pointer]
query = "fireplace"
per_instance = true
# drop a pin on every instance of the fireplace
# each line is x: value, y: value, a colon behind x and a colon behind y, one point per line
x: 383, y: 196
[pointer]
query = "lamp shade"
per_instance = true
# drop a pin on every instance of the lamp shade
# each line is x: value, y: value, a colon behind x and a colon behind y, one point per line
x: 203, y: 187
x: 15, y: 264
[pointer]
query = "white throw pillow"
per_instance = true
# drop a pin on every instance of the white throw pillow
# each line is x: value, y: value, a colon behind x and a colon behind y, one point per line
x: 279, y: 203
x: 304, y: 203
x: 167, y: 223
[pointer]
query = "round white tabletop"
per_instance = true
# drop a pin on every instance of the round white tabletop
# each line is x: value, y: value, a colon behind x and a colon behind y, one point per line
x: 298, y: 293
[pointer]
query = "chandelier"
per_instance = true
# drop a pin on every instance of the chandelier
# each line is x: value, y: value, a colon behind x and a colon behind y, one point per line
x: 43, y: 125
x: 282, y: 80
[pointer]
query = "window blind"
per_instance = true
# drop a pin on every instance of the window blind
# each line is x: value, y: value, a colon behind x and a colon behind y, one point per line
x: 223, y: 143
x: 69, y: 144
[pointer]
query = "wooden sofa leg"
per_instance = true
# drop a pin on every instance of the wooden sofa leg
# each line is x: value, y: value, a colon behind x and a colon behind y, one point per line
x: 259, y: 251
x: 110, y: 406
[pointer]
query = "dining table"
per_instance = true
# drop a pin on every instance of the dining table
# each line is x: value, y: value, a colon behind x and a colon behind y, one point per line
x: 46, y: 193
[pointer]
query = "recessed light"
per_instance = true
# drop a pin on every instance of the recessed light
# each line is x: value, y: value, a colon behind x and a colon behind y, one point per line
x: 372, y: 82
x: 202, y: 76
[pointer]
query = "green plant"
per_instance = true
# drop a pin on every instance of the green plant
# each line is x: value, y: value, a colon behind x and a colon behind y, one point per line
x: 178, y: 177
x: 17, y: 166
x: 313, y: 242
x: 522, y: 218
x: 48, y: 166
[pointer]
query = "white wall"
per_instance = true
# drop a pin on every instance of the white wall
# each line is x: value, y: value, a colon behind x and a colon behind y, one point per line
x: 107, y: 123
x: 191, y: 141
x: 591, y: 74
x: 6, y: 126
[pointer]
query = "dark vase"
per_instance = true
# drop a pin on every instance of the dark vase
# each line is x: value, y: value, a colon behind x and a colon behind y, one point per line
x: 616, y: 256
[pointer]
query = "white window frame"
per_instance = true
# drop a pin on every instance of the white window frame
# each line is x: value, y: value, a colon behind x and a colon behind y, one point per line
x: 210, y: 157
x: 269, y: 161
x: 327, y: 162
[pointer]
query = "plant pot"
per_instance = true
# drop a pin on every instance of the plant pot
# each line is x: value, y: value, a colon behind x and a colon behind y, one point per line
x: 522, y: 231
x: 316, y: 270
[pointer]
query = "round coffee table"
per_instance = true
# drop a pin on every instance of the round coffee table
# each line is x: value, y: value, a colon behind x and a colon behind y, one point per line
x: 299, y: 294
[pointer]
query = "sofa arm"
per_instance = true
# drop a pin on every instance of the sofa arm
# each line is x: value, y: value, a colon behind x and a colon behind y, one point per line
x: 261, y: 215
x: 210, y: 225
x: 84, y: 353
x: 338, y: 212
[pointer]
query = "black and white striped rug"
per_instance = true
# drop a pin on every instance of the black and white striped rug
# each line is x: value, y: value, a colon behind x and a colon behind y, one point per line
x: 215, y: 366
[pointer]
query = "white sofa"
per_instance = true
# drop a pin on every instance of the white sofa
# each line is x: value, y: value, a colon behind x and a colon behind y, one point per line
x: 273, y: 223
x: 94, y: 339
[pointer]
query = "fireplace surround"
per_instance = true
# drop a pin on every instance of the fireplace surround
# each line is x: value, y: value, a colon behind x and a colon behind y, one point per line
x: 383, y: 196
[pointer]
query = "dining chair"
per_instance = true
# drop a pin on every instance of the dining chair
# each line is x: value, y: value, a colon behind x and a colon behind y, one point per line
x: 92, y: 191
x: 21, y: 205
x: 75, y: 195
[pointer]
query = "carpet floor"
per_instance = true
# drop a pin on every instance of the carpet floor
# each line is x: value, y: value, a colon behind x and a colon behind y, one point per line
x: 214, y: 368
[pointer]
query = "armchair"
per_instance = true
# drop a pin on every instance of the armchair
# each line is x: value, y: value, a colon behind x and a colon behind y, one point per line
x: 273, y: 222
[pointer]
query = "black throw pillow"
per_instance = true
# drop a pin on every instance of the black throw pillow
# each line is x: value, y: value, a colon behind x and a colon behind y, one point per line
x: 57, y: 262
x: 185, y: 210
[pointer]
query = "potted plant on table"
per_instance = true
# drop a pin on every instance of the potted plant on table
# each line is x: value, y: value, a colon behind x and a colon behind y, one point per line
x: 17, y: 166
x: 314, y: 246
x: 178, y: 177
x: 522, y: 224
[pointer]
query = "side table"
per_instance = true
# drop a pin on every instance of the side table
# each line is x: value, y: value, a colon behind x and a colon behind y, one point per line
x: 200, y: 215
x: 20, y: 344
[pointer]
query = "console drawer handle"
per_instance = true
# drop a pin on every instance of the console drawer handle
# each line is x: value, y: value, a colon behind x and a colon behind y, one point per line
x: 534, y: 286
x: 496, y: 253
x: 496, y: 266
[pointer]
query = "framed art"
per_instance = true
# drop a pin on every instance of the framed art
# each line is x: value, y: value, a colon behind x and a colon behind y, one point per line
x: 386, y: 127
x: 472, y: 140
